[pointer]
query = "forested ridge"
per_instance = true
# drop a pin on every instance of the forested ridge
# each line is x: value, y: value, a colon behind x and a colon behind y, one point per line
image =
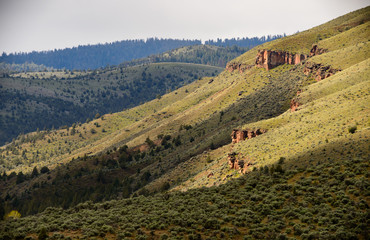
x: 102, y: 55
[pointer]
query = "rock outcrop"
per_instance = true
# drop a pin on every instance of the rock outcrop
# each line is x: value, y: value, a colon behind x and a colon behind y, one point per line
x: 234, y: 162
x: 230, y: 67
x: 269, y: 59
x: 315, y: 50
x: 238, y: 135
x: 294, y: 103
x: 237, y: 162
x: 319, y: 71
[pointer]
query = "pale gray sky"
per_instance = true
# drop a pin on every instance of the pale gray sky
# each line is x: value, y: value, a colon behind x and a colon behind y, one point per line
x: 27, y: 25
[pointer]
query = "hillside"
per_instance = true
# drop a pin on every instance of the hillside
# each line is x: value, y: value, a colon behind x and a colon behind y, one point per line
x: 274, y: 147
x: 46, y: 100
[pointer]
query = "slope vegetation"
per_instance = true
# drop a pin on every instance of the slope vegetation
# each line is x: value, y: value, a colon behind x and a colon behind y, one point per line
x: 295, y: 167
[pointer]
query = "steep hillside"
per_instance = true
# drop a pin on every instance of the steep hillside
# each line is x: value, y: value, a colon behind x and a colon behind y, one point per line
x: 289, y: 119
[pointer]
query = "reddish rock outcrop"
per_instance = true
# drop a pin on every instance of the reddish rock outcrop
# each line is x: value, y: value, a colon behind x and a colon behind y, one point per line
x: 234, y: 162
x: 269, y: 59
x: 230, y: 67
x: 238, y: 162
x: 294, y: 104
x: 238, y: 135
x: 319, y: 71
x: 315, y: 50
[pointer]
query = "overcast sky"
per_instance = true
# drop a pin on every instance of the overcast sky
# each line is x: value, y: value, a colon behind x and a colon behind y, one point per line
x: 27, y: 25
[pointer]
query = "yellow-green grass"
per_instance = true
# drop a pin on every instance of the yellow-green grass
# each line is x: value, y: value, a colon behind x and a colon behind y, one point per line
x: 329, y: 109
x: 356, y: 35
x: 344, y: 57
x: 302, y: 42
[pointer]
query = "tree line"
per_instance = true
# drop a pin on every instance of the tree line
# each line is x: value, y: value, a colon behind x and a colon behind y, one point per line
x: 95, y: 56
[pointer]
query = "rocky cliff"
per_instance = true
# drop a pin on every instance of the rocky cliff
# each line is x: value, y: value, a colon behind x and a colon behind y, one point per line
x: 238, y: 135
x: 269, y: 59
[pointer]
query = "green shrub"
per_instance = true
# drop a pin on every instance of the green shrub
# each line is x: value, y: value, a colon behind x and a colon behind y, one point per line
x: 352, y: 129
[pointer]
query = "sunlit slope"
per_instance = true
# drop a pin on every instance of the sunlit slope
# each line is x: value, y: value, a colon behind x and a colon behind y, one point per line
x: 321, y: 126
x: 350, y: 29
x: 212, y: 106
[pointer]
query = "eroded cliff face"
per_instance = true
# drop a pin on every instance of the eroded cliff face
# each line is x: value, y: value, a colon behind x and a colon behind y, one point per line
x: 240, y: 67
x: 238, y: 135
x: 269, y: 59
x: 319, y: 71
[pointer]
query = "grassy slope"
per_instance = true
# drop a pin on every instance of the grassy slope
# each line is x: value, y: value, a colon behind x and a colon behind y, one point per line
x: 164, y: 116
x: 329, y: 109
x: 302, y: 42
x: 316, y: 134
x: 288, y: 133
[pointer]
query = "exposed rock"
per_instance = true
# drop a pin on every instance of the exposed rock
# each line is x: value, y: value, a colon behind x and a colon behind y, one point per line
x: 237, y: 162
x: 269, y: 59
x: 210, y: 175
x: 234, y: 163
x: 231, y: 160
x: 238, y: 135
x: 319, y: 71
x: 230, y: 67
x: 315, y: 50
x: 294, y: 104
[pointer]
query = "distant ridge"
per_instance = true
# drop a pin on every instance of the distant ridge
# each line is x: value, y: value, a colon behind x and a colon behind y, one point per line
x: 96, y: 56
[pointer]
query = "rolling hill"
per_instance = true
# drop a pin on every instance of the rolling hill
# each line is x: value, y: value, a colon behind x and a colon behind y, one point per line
x: 46, y: 100
x: 274, y: 147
